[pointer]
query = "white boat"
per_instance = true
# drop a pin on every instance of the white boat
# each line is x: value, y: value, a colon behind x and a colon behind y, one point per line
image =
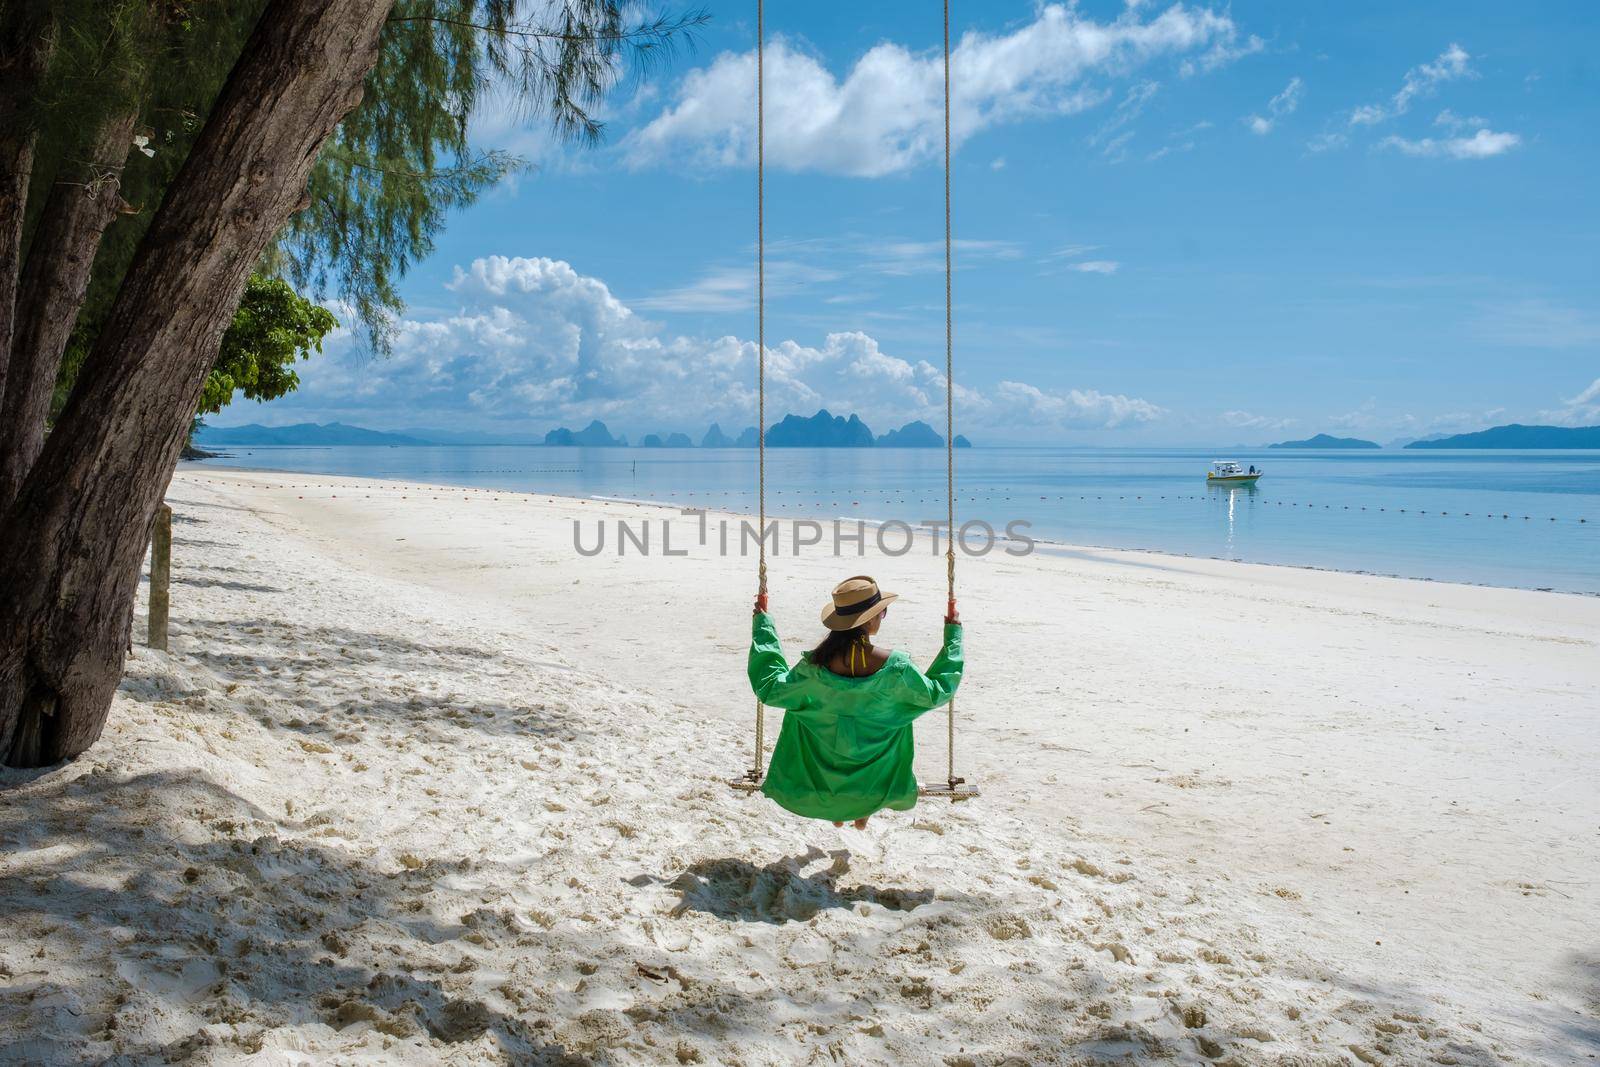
x: 1227, y: 472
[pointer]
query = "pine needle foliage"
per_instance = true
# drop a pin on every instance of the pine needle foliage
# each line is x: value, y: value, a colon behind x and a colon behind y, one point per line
x: 398, y: 165
x: 404, y: 159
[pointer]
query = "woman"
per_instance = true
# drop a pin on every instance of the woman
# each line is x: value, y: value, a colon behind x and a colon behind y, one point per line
x: 845, y: 750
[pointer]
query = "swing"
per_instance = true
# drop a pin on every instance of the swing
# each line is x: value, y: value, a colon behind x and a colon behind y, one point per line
x: 953, y: 788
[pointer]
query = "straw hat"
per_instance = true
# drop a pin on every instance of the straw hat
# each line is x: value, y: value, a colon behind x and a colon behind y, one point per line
x: 856, y: 601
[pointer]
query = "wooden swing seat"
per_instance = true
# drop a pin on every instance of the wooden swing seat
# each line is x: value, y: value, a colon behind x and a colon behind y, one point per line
x: 954, y: 791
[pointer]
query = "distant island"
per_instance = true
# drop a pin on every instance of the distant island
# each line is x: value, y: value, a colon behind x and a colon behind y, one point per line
x: 918, y: 435
x: 672, y: 440
x: 594, y: 435
x: 1519, y: 436
x: 715, y: 438
x: 822, y: 430
x: 302, y: 433
x: 1323, y: 440
x: 1401, y: 442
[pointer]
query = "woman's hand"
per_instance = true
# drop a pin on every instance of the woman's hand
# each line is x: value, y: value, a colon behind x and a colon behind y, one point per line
x: 761, y: 604
x: 951, y: 615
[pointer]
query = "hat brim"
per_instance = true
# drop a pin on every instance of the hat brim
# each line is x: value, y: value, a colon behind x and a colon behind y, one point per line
x: 834, y: 621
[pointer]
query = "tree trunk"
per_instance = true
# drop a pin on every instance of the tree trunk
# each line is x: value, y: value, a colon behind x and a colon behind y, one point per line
x: 25, y: 37
x: 71, y: 545
x: 79, y: 207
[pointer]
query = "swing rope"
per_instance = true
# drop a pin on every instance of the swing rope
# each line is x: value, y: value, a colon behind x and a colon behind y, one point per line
x: 757, y: 770
x: 949, y: 405
x: 761, y: 355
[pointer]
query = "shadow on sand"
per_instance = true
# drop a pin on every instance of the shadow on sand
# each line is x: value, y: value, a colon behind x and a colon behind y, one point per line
x: 781, y: 891
x: 146, y: 931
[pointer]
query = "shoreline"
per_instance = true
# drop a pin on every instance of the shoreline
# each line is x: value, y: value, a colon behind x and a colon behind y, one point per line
x: 1045, y: 544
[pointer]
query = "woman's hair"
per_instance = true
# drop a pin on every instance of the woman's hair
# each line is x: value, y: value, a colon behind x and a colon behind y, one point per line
x: 837, y: 645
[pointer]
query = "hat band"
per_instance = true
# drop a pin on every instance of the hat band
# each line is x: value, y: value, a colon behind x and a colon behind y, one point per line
x: 857, y: 609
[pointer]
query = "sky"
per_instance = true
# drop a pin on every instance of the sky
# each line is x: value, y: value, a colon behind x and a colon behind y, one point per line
x: 1175, y: 224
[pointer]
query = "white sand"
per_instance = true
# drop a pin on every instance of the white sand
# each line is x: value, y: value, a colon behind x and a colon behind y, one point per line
x: 419, y: 783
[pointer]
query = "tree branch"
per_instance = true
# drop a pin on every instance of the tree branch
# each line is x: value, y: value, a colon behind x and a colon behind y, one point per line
x: 659, y: 28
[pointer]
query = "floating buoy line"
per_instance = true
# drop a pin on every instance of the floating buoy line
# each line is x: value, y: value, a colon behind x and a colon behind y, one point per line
x: 994, y: 496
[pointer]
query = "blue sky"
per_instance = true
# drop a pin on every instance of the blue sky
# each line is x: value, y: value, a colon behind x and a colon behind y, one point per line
x: 1175, y: 224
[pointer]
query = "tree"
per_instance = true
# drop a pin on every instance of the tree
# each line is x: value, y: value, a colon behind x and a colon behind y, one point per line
x: 71, y: 541
x: 26, y: 43
x: 114, y: 66
x: 272, y: 328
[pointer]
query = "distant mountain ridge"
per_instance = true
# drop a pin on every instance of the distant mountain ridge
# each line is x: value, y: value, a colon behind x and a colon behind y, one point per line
x: 822, y: 430
x: 594, y: 435
x: 1323, y: 440
x: 302, y: 433
x: 1517, y: 435
x: 715, y: 438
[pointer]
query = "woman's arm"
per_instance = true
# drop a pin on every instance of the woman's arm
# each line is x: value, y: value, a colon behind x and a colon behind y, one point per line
x: 926, y: 691
x: 770, y: 675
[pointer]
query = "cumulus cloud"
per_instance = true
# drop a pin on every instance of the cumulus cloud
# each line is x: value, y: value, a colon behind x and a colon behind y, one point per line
x: 1481, y: 145
x: 534, y: 343
x: 1424, y: 80
x: 1279, y: 106
x: 885, y: 115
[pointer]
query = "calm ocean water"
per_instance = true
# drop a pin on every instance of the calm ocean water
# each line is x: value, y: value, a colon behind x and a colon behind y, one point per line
x: 1528, y: 519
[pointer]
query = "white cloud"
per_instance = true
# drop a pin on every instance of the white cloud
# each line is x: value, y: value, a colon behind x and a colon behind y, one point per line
x: 1244, y: 420
x: 1075, y: 408
x: 1222, y: 53
x: 534, y: 344
x: 734, y: 288
x: 1069, y: 258
x: 885, y: 114
x: 1116, y: 149
x: 1279, y: 106
x: 1361, y: 418
x: 1327, y: 142
x: 1132, y: 106
x: 1451, y: 121
x: 794, y: 266
x: 1182, y: 141
x: 1481, y: 145
x: 998, y: 163
x: 1581, y: 410
x: 1590, y: 395
x: 1452, y: 63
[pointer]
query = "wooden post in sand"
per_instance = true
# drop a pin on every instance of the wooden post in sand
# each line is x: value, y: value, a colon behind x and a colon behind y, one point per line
x: 160, y: 578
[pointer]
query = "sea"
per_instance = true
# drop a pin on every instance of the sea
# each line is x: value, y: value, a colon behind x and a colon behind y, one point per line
x: 1508, y: 518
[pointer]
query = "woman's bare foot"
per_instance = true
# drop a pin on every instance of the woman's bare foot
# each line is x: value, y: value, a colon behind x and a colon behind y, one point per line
x: 838, y: 826
x: 861, y: 823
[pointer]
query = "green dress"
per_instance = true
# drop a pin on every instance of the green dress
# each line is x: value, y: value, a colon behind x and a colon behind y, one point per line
x: 845, y: 748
